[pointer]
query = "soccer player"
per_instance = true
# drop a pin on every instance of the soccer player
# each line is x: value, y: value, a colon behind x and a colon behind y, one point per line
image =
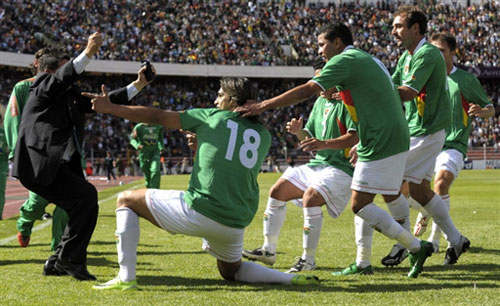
x: 34, y: 207
x: 468, y: 99
x: 372, y: 100
x: 326, y: 179
x: 223, y: 193
x: 421, y: 79
x: 148, y: 140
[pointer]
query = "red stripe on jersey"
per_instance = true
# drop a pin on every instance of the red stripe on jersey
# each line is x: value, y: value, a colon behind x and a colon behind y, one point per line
x: 342, y: 128
x: 347, y: 97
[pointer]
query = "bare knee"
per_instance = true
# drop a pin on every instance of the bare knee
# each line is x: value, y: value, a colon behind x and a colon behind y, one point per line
x: 228, y: 270
x: 124, y: 199
x: 312, y: 198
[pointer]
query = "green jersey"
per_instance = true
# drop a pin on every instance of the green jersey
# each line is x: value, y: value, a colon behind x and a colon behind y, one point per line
x: 372, y: 100
x: 150, y: 137
x: 329, y: 120
x: 223, y: 185
x: 425, y: 72
x: 3, y: 148
x: 464, y: 88
x: 15, y: 107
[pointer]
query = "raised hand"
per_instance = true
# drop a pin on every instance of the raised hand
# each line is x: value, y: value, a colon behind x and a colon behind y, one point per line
x: 100, y: 103
x: 93, y: 44
x: 294, y: 126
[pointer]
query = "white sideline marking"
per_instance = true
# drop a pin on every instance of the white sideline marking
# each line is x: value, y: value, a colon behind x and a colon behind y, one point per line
x: 49, y: 222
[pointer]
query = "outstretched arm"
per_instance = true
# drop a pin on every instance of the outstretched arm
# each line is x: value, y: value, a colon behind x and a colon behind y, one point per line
x: 293, y: 96
x: 136, y: 113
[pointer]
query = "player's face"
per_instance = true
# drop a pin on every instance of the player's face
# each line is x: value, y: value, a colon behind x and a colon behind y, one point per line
x: 223, y: 101
x: 404, y: 36
x: 443, y: 47
x: 326, y: 47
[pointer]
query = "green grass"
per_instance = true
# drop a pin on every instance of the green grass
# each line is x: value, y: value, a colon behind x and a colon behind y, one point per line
x: 174, y: 270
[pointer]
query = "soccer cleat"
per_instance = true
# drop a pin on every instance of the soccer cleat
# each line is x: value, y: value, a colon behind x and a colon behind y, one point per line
x: 417, y: 259
x: 305, y: 280
x: 24, y: 241
x: 301, y: 265
x: 117, y: 284
x: 454, y: 252
x: 421, y: 225
x: 261, y: 255
x: 353, y: 269
x: 395, y: 257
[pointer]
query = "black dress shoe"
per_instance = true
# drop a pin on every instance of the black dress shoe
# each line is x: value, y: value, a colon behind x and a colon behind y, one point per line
x: 50, y: 270
x: 78, y: 271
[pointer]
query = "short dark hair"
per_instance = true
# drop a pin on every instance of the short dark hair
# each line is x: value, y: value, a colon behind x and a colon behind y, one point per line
x: 238, y: 89
x: 413, y: 15
x: 48, y: 61
x: 339, y: 30
x: 447, y: 38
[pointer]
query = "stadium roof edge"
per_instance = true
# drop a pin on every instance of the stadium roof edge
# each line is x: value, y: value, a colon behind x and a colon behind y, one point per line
x: 23, y: 60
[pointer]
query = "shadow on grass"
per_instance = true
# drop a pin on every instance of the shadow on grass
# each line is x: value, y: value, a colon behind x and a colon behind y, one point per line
x: 479, y: 250
x: 31, y: 245
x: 112, y: 242
x: 408, y: 287
x: 21, y: 262
x: 139, y: 253
x: 178, y: 283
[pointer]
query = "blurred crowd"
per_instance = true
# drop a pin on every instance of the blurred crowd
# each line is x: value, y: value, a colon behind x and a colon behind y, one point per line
x: 251, y: 32
x: 108, y: 133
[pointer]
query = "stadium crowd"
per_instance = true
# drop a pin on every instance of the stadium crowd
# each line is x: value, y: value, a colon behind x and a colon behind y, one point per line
x: 251, y: 33
x: 108, y: 133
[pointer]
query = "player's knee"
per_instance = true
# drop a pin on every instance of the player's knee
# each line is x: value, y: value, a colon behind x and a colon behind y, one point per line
x: 275, y: 191
x: 312, y: 198
x: 228, y: 270
x: 124, y: 199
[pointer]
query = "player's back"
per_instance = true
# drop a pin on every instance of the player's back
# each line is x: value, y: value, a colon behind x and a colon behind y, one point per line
x: 223, y: 184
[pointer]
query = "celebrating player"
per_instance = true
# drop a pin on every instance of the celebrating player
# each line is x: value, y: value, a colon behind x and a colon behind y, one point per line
x: 223, y: 193
x: 468, y: 99
x: 324, y: 180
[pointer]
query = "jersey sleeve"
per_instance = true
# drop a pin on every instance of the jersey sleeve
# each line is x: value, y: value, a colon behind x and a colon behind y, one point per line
x: 420, y: 72
x: 12, y: 120
x: 134, y: 137
x: 475, y: 92
x: 192, y: 119
x: 335, y: 71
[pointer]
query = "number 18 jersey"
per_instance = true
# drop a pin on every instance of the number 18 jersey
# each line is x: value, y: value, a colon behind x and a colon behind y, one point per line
x: 223, y: 185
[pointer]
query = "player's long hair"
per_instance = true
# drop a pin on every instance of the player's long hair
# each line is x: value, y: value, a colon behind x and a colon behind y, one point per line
x: 240, y: 90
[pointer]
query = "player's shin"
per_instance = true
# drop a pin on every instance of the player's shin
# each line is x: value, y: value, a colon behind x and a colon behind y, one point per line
x: 127, y: 238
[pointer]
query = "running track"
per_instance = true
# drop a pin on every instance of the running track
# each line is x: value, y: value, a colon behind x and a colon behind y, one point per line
x: 16, y: 194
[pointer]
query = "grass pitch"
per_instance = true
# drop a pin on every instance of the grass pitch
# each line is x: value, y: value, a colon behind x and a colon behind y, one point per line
x: 174, y: 270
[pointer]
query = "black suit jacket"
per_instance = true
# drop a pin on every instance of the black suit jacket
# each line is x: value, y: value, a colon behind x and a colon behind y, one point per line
x: 52, y: 125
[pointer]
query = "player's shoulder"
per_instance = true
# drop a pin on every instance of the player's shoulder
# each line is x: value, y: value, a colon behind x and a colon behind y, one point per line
x: 25, y: 83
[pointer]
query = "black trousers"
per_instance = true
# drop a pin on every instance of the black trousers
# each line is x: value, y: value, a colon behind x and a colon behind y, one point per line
x: 78, y: 198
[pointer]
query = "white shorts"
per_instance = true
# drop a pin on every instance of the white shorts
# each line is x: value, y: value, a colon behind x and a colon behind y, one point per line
x: 173, y: 215
x: 383, y: 176
x: 422, y: 156
x: 332, y: 183
x: 450, y: 160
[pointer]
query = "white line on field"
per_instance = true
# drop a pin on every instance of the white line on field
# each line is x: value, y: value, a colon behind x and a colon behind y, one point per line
x: 49, y: 222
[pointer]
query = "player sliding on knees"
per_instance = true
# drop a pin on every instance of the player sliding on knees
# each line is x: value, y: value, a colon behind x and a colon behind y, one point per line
x: 223, y: 194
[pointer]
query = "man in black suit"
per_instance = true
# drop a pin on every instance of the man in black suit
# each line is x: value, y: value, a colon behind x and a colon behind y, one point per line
x: 48, y: 154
